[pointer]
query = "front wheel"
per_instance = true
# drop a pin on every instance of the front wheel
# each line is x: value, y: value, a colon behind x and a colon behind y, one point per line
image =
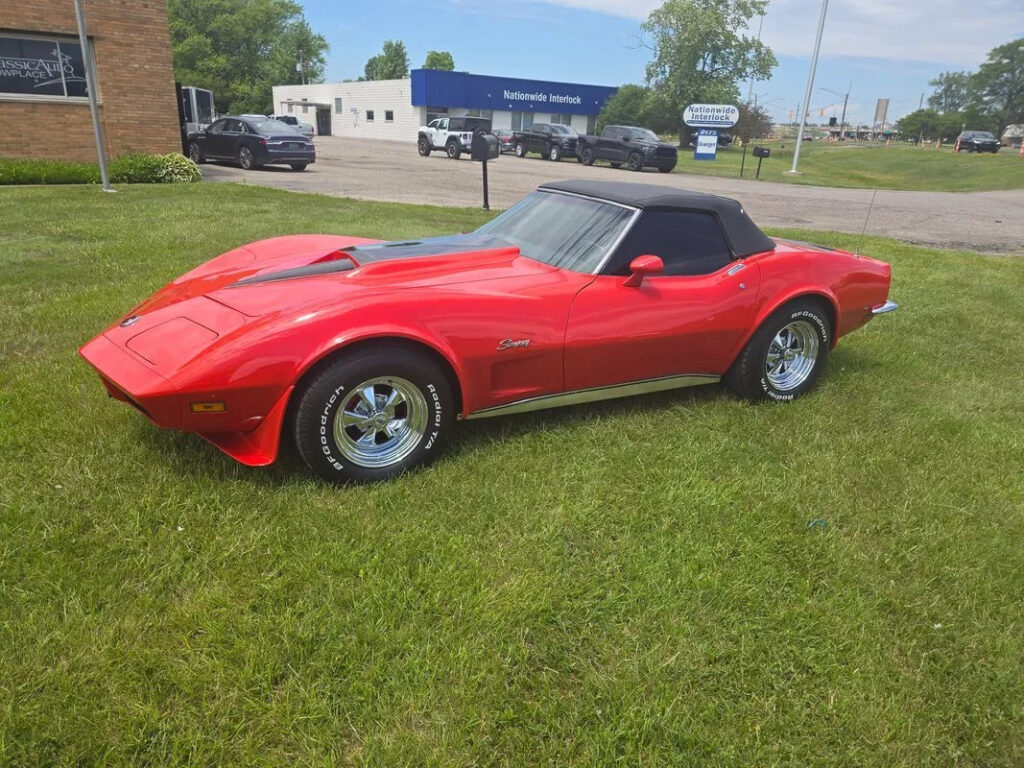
x: 298, y: 166
x: 555, y: 153
x: 373, y: 414
x: 423, y: 145
x: 195, y: 154
x: 245, y: 159
x: 634, y: 162
x: 520, y: 150
x: 453, y: 150
x: 785, y: 356
x: 666, y: 168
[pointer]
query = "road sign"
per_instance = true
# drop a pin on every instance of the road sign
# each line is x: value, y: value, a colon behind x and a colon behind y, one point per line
x: 706, y: 145
x: 711, y: 115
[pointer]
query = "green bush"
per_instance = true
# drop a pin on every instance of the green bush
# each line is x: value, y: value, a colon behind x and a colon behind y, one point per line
x: 128, y: 169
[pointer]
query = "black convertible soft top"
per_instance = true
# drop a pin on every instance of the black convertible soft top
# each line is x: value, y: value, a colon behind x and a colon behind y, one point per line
x: 743, y: 234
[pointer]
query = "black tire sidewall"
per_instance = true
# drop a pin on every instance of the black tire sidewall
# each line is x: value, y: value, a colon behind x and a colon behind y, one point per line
x: 298, y: 166
x: 423, y: 145
x: 587, y: 156
x: 193, y: 149
x: 328, y: 391
x: 634, y: 162
x: 452, y: 150
x: 748, y: 378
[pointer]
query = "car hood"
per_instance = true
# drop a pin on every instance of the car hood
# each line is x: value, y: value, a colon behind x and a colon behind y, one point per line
x: 283, y: 272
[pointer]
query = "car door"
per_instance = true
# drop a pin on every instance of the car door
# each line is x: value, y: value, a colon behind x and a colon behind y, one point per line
x: 687, y: 320
x: 440, y: 132
x: 610, y: 144
x: 539, y: 138
x: 232, y: 137
x: 213, y: 139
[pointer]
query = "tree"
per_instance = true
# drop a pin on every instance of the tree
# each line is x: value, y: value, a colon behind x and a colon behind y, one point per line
x: 391, y: 64
x: 952, y: 92
x: 240, y: 48
x: 701, y: 52
x: 439, y: 60
x: 627, y: 106
x: 754, y: 122
x: 999, y: 84
x: 925, y: 123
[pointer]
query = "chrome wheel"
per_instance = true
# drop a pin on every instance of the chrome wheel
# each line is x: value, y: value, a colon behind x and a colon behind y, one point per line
x: 792, y: 355
x: 245, y: 158
x: 381, y: 422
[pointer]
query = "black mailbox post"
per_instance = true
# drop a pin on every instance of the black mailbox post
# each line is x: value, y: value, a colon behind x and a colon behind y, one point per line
x: 761, y: 153
x: 484, y: 148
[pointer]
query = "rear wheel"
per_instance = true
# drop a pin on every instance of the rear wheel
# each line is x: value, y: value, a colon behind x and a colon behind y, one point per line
x: 195, y: 154
x: 786, y: 356
x: 453, y: 150
x: 423, y: 145
x: 587, y: 156
x: 667, y: 168
x: 634, y: 162
x: 245, y: 158
x: 373, y: 415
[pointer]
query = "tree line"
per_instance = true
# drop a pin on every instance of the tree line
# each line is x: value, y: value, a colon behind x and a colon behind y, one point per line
x: 990, y: 99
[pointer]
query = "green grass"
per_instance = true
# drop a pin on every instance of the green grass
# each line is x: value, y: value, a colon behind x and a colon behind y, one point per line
x: 851, y: 164
x: 638, y: 582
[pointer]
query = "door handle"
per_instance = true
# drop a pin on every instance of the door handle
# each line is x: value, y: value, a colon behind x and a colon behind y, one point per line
x: 737, y: 268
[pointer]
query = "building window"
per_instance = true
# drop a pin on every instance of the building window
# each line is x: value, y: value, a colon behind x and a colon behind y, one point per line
x: 435, y: 112
x: 291, y: 107
x: 369, y: 115
x: 337, y: 106
x: 486, y: 113
x: 522, y: 121
x: 305, y: 107
x: 389, y: 116
x: 561, y: 119
x: 41, y: 66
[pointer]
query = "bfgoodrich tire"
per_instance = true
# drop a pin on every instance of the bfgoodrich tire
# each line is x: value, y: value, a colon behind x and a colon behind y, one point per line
x: 373, y: 414
x: 786, y: 356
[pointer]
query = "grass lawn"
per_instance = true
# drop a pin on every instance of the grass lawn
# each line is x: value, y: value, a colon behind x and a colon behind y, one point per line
x: 850, y: 164
x: 676, y: 580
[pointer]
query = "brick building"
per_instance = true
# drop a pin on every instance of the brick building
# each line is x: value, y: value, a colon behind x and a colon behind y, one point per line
x: 43, y: 98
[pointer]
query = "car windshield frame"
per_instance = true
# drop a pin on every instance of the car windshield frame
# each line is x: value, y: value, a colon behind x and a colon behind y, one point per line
x: 645, y: 134
x: 561, y: 130
x: 564, y: 230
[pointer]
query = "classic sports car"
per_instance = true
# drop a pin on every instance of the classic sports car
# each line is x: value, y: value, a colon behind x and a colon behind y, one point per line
x: 365, y: 353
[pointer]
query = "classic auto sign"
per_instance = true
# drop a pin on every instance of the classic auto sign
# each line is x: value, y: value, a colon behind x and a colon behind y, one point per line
x: 711, y: 115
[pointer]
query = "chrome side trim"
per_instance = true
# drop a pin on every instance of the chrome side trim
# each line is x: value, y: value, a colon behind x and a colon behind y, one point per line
x: 737, y: 268
x: 579, y: 396
x: 889, y: 306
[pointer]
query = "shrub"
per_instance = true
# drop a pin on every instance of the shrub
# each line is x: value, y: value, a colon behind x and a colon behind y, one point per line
x: 128, y: 169
x: 153, y: 169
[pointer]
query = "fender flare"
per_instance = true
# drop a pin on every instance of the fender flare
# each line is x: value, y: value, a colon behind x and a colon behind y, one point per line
x: 814, y: 292
x: 424, y: 135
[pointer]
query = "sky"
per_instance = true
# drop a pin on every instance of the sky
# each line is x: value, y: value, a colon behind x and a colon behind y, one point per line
x: 871, y: 48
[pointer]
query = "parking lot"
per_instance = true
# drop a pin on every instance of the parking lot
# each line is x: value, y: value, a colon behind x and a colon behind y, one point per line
x: 382, y: 170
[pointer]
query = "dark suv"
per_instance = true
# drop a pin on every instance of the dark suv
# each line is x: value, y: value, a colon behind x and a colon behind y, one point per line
x: 978, y: 141
x: 252, y: 142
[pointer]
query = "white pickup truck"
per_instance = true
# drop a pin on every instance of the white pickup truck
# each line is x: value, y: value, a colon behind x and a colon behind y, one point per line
x: 453, y: 135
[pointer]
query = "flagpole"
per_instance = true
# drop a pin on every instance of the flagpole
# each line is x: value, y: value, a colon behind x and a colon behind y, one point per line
x: 90, y: 84
x: 810, y: 88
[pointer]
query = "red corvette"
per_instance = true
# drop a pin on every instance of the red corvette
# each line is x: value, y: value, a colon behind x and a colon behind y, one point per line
x: 366, y: 353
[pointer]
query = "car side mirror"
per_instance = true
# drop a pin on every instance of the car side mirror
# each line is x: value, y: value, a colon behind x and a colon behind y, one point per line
x: 641, y: 267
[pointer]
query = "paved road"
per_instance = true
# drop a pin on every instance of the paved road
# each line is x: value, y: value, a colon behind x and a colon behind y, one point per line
x: 381, y: 170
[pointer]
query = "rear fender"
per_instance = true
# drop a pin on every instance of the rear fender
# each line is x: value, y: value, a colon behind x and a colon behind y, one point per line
x: 801, y: 292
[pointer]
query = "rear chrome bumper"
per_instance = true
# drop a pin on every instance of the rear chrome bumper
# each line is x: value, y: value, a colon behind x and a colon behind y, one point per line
x: 888, y: 306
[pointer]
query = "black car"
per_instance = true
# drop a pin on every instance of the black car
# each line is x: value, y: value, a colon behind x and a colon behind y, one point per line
x: 637, y: 148
x: 977, y: 141
x: 251, y: 142
x: 552, y: 141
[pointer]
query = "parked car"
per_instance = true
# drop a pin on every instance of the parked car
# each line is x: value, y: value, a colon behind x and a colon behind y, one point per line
x: 977, y: 141
x: 506, y: 139
x: 452, y: 134
x: 251, y: 142
x: 637, y: 148
x: 551, y: 141
x: 304, y: 128
x: 366, y: 353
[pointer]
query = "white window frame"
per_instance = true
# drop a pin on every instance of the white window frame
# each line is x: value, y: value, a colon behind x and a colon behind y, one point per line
x: 337, y: 106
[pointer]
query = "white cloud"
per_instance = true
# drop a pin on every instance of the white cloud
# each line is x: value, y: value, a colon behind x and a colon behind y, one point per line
x: 952, y: 32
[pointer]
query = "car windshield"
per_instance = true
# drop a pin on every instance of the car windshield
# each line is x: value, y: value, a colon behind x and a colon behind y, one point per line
x: 642, y: 133
x: 271, y: 126
x: 564, y: 231
x: 980, y: 135
x: 562, y: 129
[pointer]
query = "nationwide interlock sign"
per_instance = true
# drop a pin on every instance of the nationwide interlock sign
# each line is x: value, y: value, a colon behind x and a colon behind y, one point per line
x: 711, y: 115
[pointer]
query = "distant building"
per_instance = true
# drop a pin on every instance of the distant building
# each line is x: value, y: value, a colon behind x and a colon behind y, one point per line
x: 394, y: 109
x: 1013, y: 135
x: 43, y: 99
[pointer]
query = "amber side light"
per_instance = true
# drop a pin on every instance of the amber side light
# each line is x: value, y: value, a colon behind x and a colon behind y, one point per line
x: 212, y: 407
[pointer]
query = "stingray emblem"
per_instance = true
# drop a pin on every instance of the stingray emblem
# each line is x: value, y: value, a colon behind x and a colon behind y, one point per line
x: 513, y: 343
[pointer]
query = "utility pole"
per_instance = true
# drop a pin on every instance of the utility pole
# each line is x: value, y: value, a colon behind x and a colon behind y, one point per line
x: 750, y: 89
x: 90, y: 83
x: 302, y: 67
x: 810, y: 87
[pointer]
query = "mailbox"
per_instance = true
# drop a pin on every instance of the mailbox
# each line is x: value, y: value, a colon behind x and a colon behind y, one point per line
x: 762, y: 152
x: 484, y: 147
